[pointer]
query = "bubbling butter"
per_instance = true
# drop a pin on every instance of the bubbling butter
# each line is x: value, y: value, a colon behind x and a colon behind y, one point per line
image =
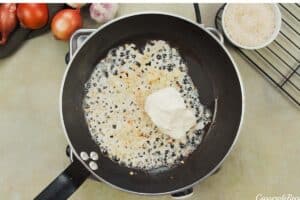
x: 114, y: 106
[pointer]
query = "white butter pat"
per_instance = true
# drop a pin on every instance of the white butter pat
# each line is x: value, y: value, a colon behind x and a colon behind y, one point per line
x: 168, y: 112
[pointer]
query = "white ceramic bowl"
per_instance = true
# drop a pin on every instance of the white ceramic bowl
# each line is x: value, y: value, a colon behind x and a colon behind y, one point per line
x: 267, y: 42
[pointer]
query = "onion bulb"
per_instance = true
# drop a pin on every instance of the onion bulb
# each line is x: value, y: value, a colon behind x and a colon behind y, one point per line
x: 33, y: 15
x: 8, y: 20
x: 65, y: 23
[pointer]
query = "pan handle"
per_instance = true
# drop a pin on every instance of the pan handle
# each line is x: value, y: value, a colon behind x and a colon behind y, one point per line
x: 66, y: 183
x: 216, y: 33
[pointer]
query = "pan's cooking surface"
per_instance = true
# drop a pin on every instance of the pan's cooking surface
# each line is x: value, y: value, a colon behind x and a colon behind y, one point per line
x: 212, y: 72
x: 115, y: 100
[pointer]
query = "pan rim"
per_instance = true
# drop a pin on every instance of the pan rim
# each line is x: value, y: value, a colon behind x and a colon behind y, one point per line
x: 201, y: 26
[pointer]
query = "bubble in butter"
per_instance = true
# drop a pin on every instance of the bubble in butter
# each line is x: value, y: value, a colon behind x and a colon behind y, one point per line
x: 168, y: 112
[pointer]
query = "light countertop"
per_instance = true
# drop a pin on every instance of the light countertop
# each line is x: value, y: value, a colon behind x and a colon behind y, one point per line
x: 265, y: 159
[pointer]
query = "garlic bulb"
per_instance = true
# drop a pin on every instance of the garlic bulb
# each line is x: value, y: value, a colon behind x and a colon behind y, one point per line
x: 103, y: 12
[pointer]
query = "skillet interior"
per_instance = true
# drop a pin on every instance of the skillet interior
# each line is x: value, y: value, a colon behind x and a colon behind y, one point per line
x: 212, y: 72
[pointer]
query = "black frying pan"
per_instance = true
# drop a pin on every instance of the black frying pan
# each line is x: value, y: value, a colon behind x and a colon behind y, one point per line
x: 213, y: 73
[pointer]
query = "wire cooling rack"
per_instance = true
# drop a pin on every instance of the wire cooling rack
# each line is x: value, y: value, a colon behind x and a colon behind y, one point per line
x: 279, y: 62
